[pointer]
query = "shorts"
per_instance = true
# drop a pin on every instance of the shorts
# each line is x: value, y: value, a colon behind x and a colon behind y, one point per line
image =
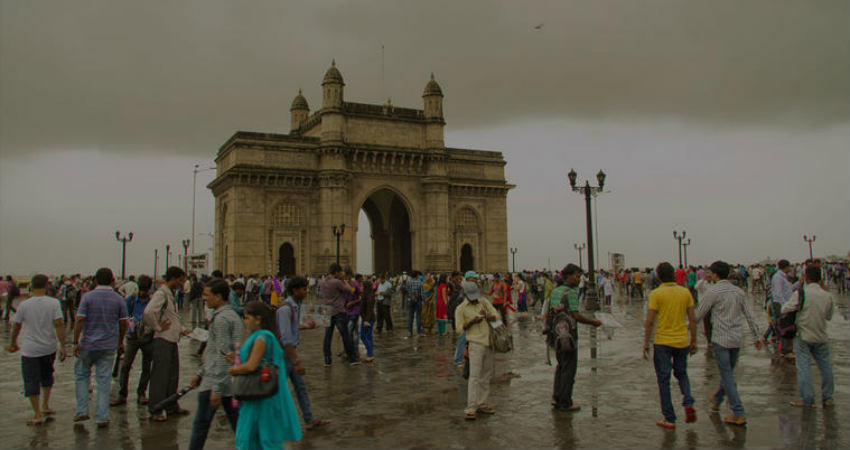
x: 38, y: 373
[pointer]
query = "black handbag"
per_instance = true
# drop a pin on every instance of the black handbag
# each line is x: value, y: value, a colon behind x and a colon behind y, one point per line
x: 257, y: 385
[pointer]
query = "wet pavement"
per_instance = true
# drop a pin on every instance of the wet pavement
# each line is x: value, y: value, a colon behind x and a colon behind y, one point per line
x: 412, y: 396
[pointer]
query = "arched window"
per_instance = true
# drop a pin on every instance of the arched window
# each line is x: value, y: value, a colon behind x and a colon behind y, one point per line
x: 286, y: 214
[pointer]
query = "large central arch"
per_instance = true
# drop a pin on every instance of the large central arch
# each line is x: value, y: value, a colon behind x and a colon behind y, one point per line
x: 389, y: 221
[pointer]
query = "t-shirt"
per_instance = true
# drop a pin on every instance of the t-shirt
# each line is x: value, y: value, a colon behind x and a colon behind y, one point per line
x: 671, y: 302
x: 559, y: 292
x: 102, y: 308
x: 333, y: 293
x: 36, y: 316
x: 681, y: 277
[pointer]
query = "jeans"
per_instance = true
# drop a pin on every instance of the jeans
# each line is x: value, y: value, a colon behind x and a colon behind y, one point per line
x: 415, y: 309
x: 565, y: 378
x: 461, y: 344
x: 197, y: 313
x: 131, y: 348
x: 102, y: 360
x: 663, y: 356
x: 204, y: 417
x: 805, y: 351
x: 726, y: 359
x: 300, y: 389
x: 340, y: 321
x: 366, y: 337
x: 354, y: 330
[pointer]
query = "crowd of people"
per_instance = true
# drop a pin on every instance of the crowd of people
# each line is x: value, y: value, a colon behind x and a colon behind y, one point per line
x: 252, y: 326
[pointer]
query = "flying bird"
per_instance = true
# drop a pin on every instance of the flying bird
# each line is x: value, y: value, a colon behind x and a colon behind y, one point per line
x: 539, y: 27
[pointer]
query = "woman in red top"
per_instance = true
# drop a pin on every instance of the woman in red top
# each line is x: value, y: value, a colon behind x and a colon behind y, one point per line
x: 442, y: 300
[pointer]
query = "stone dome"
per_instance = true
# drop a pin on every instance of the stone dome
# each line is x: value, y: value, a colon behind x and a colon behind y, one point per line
x: 299, y: 102
x: 333, y: 75
x: 432, y: 88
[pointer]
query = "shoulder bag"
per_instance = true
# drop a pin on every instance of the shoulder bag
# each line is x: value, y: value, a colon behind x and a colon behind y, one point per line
x: 257, y: 385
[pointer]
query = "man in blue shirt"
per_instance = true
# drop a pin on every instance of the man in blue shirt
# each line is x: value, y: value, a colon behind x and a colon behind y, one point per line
x: 136, y: 304
x: 288, y: 318
x: 99, y: 328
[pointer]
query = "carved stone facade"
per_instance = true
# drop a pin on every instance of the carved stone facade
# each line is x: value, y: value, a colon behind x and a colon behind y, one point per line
x: 431, y: 208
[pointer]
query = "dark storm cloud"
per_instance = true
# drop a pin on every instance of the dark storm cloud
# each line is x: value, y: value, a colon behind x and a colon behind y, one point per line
x: 181, y: 77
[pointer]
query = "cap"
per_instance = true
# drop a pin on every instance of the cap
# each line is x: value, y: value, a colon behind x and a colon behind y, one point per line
x: 470, y: 274
x: 470, y: 289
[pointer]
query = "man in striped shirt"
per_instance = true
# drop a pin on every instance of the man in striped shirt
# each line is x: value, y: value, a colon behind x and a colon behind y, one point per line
x: 727, y: 305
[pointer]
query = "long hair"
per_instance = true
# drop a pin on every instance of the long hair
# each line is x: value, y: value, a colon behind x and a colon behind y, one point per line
x: 259, y: 309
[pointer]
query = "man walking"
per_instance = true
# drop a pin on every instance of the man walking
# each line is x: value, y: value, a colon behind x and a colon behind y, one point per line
x: 99, y: 328
x: 474, y: 314
x: 40, y: 317
x: 288, y: 318
x: 415, y: 293
x: 671, y: 304
x: 333, y: 290
x: 226, y: 331
x: 814, y: 308
x: 385, y: 288
x: 565, y: 298
x: 727, y: 304
x: 161, y: 315
x: 137, y: 340
x: 781, y: 291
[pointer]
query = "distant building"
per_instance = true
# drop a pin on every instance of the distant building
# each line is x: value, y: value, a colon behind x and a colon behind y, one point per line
x: 277, y: 196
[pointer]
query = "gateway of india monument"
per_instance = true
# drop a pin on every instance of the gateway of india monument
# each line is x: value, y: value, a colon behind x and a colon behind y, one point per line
x: 430, y: 207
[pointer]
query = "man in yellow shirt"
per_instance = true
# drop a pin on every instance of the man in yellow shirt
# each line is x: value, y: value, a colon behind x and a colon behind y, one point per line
x: 474, y: 315
x: 671, y: 304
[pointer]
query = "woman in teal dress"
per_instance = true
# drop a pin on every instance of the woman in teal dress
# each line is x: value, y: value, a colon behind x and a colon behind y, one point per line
x: 264, y: 424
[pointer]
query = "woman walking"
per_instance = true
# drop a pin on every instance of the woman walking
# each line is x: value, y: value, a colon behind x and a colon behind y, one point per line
x: 264, y: 424
x: 442, y: 300
x: 429, y: 305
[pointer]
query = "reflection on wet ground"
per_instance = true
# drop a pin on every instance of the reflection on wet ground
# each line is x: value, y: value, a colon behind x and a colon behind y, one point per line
x: 412, y: 396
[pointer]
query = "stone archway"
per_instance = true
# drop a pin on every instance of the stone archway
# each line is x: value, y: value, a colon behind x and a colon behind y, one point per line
x: 389, y: 221
x: 467, y: 259
x: 286, y: 259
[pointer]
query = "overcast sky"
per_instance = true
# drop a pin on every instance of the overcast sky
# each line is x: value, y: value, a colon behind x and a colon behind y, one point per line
x: 727, y: 119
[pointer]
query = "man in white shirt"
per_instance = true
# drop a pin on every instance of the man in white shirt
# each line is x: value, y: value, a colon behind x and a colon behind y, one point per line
x: 129, y: 288
x: 811, y: 340
x: 40, y: 317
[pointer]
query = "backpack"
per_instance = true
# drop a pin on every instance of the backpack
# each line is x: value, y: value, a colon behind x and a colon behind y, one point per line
x: 562, y: 330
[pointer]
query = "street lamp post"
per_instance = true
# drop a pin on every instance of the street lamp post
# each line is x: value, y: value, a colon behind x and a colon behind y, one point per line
x: 155, y: 263
x: 186, y: 255
x: 167, y: 255
x: 685, y: 247
x: 123, y: 242
x: 194, y: 189
x: 579, y: 248
x: 513, y: 259
x: 589, y: 191
x: 805, y: 238
x: 338, y: 231
x: 679, y: 237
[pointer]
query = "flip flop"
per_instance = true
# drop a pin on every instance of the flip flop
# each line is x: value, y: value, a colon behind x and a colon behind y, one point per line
x: 665, y: 424
x: 316, y: 424
x: 48, y: 411
x: 159, y: 418
x: 35, y: 421
x: 801, y: 404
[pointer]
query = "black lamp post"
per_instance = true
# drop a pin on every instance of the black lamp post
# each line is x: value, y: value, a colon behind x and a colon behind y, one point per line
x: 685, y: 247
x: 155, y: 263
x: 167, y: 255
x: 338, y: 231
x: 589, y: 191
x: 677, y: 236
x: 513, y: 259
x: 123, y: 242
x: 185, y: 255
x: 579, y: 248
x: 805, y: 238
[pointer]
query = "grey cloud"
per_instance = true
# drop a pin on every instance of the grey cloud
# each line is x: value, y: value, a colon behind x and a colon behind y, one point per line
x: 180, y: 78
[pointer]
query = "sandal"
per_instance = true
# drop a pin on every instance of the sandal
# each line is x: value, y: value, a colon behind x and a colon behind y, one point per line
x: 486, y: 410
x: 48, y: 411
x: 35, y: 421
x: 665, y: 424
x: 118, y: 402
x: 469, y: 416
x: 316, y: 424
x: 159, y: 418
x: 801, y: 404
